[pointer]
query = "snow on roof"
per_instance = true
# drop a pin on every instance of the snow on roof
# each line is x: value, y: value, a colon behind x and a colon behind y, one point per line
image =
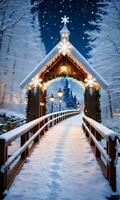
x: 64, y: 29
x: 55, y: 52
x: 39, y: 67
x: 75, y: 53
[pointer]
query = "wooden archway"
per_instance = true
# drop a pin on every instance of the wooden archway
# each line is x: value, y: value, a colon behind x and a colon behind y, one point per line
x: 62, y: 66
x: 63, y: 60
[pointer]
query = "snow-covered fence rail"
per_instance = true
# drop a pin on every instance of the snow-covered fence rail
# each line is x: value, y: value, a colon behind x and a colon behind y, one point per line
x: 105, y: 154
x: 10, y: 125
x: 29, y: 135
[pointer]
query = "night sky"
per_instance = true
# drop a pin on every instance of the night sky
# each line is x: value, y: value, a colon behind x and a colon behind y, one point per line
x: 80, y: 12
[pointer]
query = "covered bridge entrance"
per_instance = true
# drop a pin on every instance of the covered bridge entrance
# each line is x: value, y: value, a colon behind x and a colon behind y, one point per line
x: 63, y: 60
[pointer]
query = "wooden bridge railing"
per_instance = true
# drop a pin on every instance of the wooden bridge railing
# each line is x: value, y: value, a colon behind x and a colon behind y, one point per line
x: 29, y: 135
x: 10, y: 125
x: 104, y: 145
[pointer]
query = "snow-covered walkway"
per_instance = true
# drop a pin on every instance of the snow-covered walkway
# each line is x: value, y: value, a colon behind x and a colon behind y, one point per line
x: 62, y: 167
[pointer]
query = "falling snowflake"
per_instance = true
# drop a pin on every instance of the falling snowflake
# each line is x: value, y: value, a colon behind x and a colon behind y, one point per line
x: 64, y: 47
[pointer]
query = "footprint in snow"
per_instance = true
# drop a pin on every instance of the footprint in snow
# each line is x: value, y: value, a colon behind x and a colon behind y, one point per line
x: 86, y: 171
x: 54, y: 175
x: 59, y: 146
x: 57, y: 160
x: 54, y: 186
x: 55, y: 166
x: 58, y: 152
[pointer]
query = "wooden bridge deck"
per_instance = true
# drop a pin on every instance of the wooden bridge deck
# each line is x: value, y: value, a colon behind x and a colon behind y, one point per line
x: 62, y: 167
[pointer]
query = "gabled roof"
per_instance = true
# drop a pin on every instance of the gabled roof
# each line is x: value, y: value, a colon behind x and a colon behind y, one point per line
x: 39, y: 67
x: 74, y: 53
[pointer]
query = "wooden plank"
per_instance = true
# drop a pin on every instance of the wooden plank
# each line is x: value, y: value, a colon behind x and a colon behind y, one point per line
x: 3, y: 158
x: 11, y: 171
x: 14, y: 171
x: 112, y: 165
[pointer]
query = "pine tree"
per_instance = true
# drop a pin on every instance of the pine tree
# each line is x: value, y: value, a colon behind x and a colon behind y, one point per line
x: 105, y: 51
x: 92, y: 104
x: 98, y: 109
x: 28, y: 107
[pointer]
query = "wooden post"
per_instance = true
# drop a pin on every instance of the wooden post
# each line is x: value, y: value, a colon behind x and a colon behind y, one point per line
x: 41, y: 124
x: 86, y: 133
x: 24, y: 138
x: 60, y: 119
x: 112, y: 164
x: 3, y: 159
x: 46, y: 128
x: 98, y: 137
x: 107, y: 168
x: 51, y: 122
x: 35, y: 130
x: 63, y: 117
x: 54, y: 120
x: 57, y: 119
x: 90, y: 138
x: 84, y: 126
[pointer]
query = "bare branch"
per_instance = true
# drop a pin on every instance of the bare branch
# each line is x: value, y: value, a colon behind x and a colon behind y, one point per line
x: 2, y: 3
x: 114, y: 44
x: 114, y: 4
x: 14, y: 23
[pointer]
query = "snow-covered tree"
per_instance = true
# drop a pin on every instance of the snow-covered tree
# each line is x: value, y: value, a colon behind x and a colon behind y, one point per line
x: 105, y: 48
x: 21, y: 48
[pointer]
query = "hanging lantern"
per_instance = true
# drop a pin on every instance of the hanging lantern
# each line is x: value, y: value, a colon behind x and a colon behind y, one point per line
x: 52, y: 98
x: 64, y: 47
x: 60, y: 93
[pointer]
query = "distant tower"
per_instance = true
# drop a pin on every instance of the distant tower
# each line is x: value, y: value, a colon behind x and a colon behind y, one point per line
x: 66, y: 91
x: 65, y: 32
x: 75, y: 102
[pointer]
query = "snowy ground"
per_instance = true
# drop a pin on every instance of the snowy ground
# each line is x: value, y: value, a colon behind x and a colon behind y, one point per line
x: 10, y: 114
x: 62, y: 167
x: 113, y: 123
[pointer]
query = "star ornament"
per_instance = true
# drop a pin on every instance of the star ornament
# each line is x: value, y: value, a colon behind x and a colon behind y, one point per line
x: 36, y: 81
x: 91, y: 82
x: 64, y: 47
x: 65, y: 20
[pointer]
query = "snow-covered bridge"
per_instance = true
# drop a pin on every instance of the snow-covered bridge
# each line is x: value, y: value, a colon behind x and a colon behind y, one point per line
x: 62, y: 165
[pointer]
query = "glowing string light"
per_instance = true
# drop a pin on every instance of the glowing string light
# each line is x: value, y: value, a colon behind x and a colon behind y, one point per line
x: 91, y: 82
x: 64, y: 47
x: 36, y: 81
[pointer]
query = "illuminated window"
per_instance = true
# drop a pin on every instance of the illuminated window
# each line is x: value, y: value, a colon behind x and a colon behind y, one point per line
x: 64, y: 69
